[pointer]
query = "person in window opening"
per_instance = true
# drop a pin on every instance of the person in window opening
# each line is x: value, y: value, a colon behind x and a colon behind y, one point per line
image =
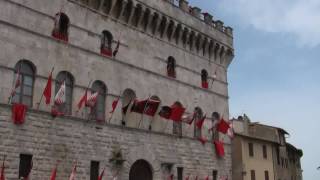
x: 61, y: 25
x: 171, y: 68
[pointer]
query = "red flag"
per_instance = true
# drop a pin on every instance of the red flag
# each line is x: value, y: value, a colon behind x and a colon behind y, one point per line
x: 101, y: 175
x: 223, y: 126
x: 60, y: 97
x: 204, y: 84
x: 115, y: 52
x: 2, y: 177
x: 219, y: 148
x: 83, y: 100
x: 207, y: 178
x: 47, y: 89
x: 165, y: 112
x: 18, y: 113
x: 125, y: 108
x: 148, y: 107
x: 73, y: 173
x: 54, y: 173
x: 114, y: 105
x: 203, y: 140
x: 138, y: 106
x: 170, y: 177
x: 200, y: 122
x: 177, y: 112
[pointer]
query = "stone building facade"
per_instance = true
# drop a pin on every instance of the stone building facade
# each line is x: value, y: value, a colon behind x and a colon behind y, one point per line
x: 260, y: 152
x: 166, y: 52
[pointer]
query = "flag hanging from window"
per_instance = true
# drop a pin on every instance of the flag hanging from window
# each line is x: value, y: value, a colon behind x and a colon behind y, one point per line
x: 47, y: 89
x: 92, y: 99
x: 223, y: 126
x: 60, y: 97
x: 18, y: 113
x: 200, y: 122
x: 219, y: 148
x: 148, y: 107
x: 165, y: 112
x: 177, y: 112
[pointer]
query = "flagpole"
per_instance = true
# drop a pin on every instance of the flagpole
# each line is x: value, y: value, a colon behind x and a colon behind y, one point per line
x: 38, y: 104
x: 144, y: 109
x: 114, y: 108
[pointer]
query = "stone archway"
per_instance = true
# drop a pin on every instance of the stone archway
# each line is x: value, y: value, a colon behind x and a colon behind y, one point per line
x: 140, y: 170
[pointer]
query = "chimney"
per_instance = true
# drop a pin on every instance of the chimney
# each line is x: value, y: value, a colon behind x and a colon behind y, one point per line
x: 207, y: 18
x: 196, y: 12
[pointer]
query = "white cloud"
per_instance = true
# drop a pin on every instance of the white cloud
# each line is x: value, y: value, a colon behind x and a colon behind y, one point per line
x: 300, y: 18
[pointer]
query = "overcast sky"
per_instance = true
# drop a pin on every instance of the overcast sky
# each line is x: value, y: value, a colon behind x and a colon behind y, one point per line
x: 275, y: 75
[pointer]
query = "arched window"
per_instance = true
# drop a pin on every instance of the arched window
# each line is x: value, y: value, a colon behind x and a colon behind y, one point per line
x: 98, y: 111
x: 24, y: 93
x: 198, y: 114
x: 171, y: 67
x: 66, y: 107
x: 106, y: 43
x: 177, y: 125
x: 215, y: 118
x: 61, y: 26
x: 127, y: 98
x: 204, y: 79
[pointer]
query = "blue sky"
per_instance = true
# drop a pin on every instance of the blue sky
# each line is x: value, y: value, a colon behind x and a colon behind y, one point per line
x: 275, y: 77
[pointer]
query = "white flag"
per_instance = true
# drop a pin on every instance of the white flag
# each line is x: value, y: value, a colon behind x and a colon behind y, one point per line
x: 60, y: 97
x: 92, y: 99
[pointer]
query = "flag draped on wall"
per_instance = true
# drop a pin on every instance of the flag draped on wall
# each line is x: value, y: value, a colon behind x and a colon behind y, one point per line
x: 148, y: 107
x: 47, y: 89
x: 18, y: 113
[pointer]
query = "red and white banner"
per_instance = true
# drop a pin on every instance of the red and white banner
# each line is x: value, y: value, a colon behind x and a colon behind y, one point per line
x: 60, y: 97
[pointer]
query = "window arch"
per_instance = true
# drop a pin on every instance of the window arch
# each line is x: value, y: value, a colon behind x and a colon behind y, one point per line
x: 66, y: 107
x: 171, y: 67
x: 204, y: 79
x: 61, y: 26
x: 24, y: 93
x: 106, y: 43
x: 98, y: 111
x: 215, y: 118
x: 198, y: 114
x: 128, y: 96
x: 177, y: 125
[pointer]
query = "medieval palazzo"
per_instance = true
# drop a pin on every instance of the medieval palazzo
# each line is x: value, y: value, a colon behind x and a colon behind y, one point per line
x: 144, y: 53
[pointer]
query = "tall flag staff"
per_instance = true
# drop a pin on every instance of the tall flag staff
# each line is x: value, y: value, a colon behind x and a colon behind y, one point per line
x: 114, y: 106
x: 15, y: 84
x: 47, y: 90
x: 144, y: 109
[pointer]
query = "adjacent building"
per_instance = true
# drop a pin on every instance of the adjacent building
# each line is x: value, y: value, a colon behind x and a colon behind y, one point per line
x: 126, y: 50
x: 260, y: 152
